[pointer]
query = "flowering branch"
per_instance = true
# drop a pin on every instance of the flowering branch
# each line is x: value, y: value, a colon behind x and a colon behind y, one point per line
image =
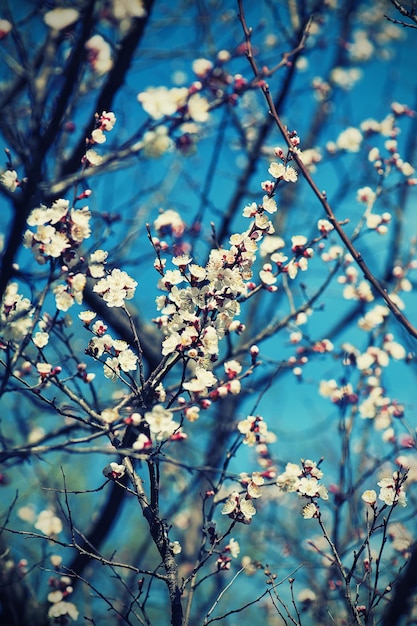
x: 404, y: 11
x: 321, y: 195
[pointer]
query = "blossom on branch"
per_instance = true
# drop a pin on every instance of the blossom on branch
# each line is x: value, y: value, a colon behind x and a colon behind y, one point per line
x: 62, y: 609
x: 5, y: 28
x: 310, y: 510
x: 16, y: 314
x: 156, y: 142
x: 9, y: 180
x: 116, y: 288
x: 392, y: 491
x: 304, y: 479
x: 255, y: 430
x: 283, y: 172
x: 99, y: 55
x: 238, y: 508
x: 161, y: 422
x: 369, y: 496
x: 48, y: 523
x: 350, y: 140
x: 114, y: 471
x: 159, y: 102
x: 60, y: 18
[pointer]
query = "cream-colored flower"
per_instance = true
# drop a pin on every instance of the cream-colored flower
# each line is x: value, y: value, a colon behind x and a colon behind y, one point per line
x: 48, y: 523
x: 310, y: 510
x: 61, y: 17
x: 9, y: 180
x: 369, y: 496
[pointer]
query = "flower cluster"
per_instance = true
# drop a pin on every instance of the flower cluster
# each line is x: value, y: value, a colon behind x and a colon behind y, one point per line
x: 283, y: 172
x: 195, y: 316
x: 61, y: 611
x: 252, y: 483
x: 230, y: 386
x: 159, y: 423
x: 70, y: 292
x: 391, y: 490
x: 160, y: 102
x: 301, y: 248
x: 360, y: 289
x: 304, y: 479
x: 202, y: 301
x: 125, y: 360
x: 119, y: 356
x: 16, y: 314
x: 370, y: 397
x: 351, y: 140
x: 255, y: 430
x: 338, y: 393
x: 156, y: 142
x: 239, y: 508
x: 60, y: 230
x: 115, y: 288
x: 48, y: 523
x: 188, y: 102
x: 257, y: 435
x: 355, y: 289
x: 61, y: 18
x: 188, y: 107
x: 104, y: 124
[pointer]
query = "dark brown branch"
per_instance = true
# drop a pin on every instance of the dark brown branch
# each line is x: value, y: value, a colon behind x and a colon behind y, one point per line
x: 159, y: 534
x: 404, y: 590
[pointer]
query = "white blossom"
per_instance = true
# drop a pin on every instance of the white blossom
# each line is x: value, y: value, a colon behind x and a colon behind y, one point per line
x: 48, y: 523
x: 350, y: 140
x: 159, y: 102
x: 369, y: 496
x: 160, y: 420
x: 99, y: 54
x: 115, y: 288
x: 279, y: 170
x: 9, y: 180
x: 61, y: 17
x: 40, y: 339
x: 61, y: 609
x: 114, y: 470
